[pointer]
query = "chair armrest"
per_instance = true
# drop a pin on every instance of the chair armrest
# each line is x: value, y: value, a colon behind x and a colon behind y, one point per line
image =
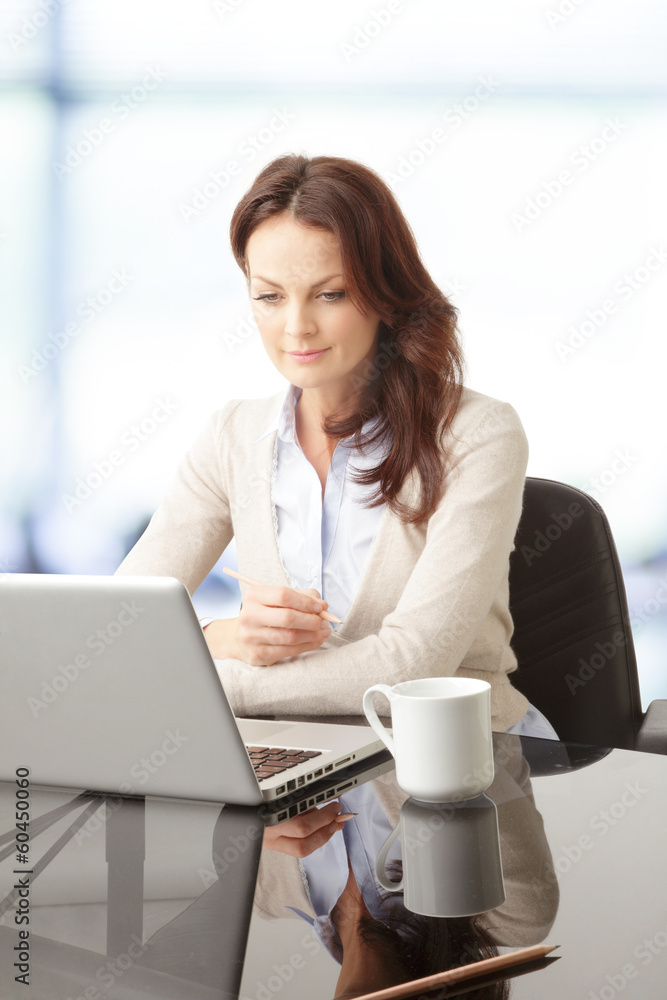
x: 652, y: 735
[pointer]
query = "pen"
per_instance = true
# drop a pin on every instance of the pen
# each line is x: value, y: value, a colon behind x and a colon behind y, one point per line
x: 463, y: 972
x: 328, y: 617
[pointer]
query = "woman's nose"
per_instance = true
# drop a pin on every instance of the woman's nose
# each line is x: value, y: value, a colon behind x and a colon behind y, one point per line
x: 298, y: 321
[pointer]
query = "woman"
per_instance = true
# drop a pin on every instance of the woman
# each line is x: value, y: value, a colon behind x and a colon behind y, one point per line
x: 378, y: 482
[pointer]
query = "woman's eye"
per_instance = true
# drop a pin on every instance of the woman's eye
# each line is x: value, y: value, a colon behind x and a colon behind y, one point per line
x: 271, y: 298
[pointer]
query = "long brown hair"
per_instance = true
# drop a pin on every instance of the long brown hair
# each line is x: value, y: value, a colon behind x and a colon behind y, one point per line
x: 412, y: 389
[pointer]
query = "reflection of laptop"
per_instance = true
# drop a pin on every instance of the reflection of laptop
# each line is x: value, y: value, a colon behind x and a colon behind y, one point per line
x: 109, y: 684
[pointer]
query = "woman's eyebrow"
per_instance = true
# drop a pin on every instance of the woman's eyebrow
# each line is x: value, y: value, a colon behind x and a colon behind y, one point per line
x: 322, y: 281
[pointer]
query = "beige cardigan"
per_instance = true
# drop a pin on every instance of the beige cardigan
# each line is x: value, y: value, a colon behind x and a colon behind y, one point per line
x: 433, y: 600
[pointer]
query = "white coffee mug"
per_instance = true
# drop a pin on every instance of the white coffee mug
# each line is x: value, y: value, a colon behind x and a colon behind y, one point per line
x: 441, y: 740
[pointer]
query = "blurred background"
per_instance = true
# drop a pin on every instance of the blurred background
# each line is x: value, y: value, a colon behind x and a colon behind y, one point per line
x: 525, y: 142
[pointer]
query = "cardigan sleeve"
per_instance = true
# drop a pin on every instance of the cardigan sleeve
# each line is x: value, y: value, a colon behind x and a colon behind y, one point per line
x: 451, y: 594
x: 192, y: 526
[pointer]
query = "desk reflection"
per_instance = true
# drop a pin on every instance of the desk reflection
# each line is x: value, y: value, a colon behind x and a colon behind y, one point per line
x: 123, y: 859
x: 172, y: 888
x: 374, y: 937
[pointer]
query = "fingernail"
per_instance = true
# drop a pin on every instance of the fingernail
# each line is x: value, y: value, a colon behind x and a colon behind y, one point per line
x: 317, y: 606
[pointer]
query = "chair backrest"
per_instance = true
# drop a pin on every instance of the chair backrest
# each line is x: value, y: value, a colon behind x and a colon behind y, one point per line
x: 572, y: 635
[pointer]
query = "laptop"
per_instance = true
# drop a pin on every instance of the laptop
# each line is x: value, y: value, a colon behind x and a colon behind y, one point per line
x: 108, y: 684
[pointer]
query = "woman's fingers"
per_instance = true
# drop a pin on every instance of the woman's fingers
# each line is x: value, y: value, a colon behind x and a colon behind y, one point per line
x: 281, y: 607
x: 307, y: 602
x: 278, y: 622
x: 284, y: 636
x: 265, y: 655
x: 303, y: 834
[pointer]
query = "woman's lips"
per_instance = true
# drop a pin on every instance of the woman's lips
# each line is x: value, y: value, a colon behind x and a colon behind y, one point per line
x: 309, y: 356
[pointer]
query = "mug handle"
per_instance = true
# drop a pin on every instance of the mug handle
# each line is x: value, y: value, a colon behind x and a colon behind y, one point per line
x: 380, y: 872
x: 372, y: 715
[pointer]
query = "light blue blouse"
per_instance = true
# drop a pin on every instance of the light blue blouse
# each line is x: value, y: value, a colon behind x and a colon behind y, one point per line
x: 324, y: 541
x: 325, y: 871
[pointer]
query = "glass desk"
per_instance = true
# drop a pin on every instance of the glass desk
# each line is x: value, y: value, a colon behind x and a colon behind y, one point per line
x: 155, y: 898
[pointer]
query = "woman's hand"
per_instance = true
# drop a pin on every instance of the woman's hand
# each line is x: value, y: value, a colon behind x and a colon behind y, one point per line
x: 303, y: 834
x: 273, y: 624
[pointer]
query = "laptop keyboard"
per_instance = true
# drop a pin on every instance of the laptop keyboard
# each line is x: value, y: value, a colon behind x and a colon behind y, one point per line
x: 268, y: 761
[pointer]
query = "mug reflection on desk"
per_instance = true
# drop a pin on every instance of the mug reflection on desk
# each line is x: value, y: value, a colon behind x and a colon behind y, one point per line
x: 432, y: 899
x: 451, y: 857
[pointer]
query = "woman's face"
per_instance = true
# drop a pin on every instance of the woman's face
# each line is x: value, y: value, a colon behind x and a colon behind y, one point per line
x: 311, y: 330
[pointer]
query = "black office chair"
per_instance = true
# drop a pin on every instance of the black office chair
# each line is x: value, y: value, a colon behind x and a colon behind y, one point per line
x: 572, y: 634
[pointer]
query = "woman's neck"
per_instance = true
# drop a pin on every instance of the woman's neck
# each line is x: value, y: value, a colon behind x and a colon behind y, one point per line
x: 314, y: 406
